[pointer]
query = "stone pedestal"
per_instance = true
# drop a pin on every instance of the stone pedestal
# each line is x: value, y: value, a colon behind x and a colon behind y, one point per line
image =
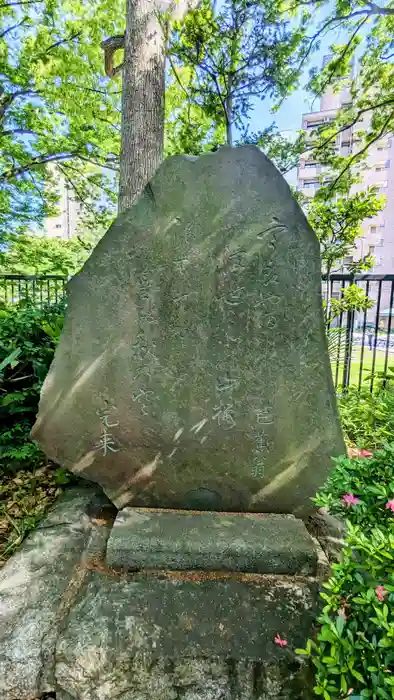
x: 175, y: 605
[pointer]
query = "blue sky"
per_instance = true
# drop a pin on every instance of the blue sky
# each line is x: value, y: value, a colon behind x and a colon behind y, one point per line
x: 288, y: 118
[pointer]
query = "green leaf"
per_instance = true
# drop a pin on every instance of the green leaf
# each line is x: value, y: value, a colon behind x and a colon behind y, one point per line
x: 10, y: 359
x: 357, y: 675
x: 340, y: 623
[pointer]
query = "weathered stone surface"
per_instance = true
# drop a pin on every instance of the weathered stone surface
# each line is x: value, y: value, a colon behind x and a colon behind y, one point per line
x: 206, y: 679
x: 71, y: 626
x: 143, y: 638
x: 193, y: 370
x: 329, y: 531
x: 176, y: 540
x: 36, y: 586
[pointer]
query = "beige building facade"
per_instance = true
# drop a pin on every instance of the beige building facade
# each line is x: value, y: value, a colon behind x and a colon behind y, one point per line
x: 378, y: 232
x: 65, y: 223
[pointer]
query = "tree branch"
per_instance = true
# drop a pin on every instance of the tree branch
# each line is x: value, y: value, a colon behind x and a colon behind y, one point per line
x: 96, y: 90
x: 373, y: 8
x: 59, y: 43
x: 106, y: 121
x: 10, y: 132
x: 111, y: 46
x: 362, y: 151
x: 326, y: 25
x: 70, y: 166
x: 342, y: 55
x: 377, y: 10
x: 39, y: 160
x: 354, y: 121
x: 22, y: 2
x: 177, y: 78
x: 106, y: 164
x: 74, y: 187
x: 219, y: 93
x: 7, y: 100
x: 13, y: 26
x: 37, y: 188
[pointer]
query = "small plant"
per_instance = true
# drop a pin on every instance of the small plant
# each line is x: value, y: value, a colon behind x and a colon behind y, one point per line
x: 382, y: 379
x: 367, y: 418
x: 359, y: 489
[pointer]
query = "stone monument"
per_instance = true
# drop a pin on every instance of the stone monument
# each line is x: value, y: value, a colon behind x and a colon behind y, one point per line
x: 193, y: 370
x: 192, y: 375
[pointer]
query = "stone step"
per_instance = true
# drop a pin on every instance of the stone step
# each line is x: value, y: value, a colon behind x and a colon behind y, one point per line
x: 210, y: 541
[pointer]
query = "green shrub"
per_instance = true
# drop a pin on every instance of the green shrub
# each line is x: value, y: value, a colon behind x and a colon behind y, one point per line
x: 367, y: 418
x: 368, y: 479
x: 354, y: 650
x: 28, y: 337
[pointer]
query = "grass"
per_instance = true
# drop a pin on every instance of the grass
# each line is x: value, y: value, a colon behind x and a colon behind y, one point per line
x: 367, y: 365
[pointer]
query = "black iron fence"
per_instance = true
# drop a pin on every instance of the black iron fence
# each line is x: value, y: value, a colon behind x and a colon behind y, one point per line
x: 40, y: 290
x: 361, y: 342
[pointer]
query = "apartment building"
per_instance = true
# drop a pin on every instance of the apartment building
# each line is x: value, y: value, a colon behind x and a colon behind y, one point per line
x: 378, y: 233
x: 64, y: 224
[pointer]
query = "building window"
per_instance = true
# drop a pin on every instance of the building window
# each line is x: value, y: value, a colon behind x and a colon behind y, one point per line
x: 378, y: 261
x: 373, y: 229
x: 387, y: 163
x: 348, y: 260
x: 58, y: 226
x: 380, y: 242
x: 371, y: 249
x: 310, y: 183
x: 310, y: 165
x: 314, y: 125
x: 381, y: 225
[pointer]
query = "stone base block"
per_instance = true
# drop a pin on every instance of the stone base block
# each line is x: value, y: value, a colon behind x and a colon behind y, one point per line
x: 182, y: 540
x: 178, y: 635
x: 215, y: 611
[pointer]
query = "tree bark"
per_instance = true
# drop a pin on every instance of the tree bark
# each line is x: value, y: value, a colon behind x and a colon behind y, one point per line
x: 142, y: 135
x: 229, y: 112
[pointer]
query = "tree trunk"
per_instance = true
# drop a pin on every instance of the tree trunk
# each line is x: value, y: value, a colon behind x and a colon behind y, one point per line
x: 142, y: 101
x: 229, y: 112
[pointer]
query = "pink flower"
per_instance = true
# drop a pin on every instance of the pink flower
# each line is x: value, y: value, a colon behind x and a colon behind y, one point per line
x: 390, y: 505
x: 279, y: 641
x: 365, y: 453
x: 380, y: 592
x: 350, y: 500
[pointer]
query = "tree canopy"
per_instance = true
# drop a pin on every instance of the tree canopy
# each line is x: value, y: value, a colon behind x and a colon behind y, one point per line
x: 60, y: 116
x: 363, y: 60
x: 57, y: 113
x: 237, y: 53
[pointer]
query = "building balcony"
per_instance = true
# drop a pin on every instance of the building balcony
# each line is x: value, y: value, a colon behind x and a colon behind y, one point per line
x: 308, y: 191
x: 307, y: 172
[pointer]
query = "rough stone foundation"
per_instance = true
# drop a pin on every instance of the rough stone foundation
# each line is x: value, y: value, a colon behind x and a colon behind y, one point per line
x: 74, y: 626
